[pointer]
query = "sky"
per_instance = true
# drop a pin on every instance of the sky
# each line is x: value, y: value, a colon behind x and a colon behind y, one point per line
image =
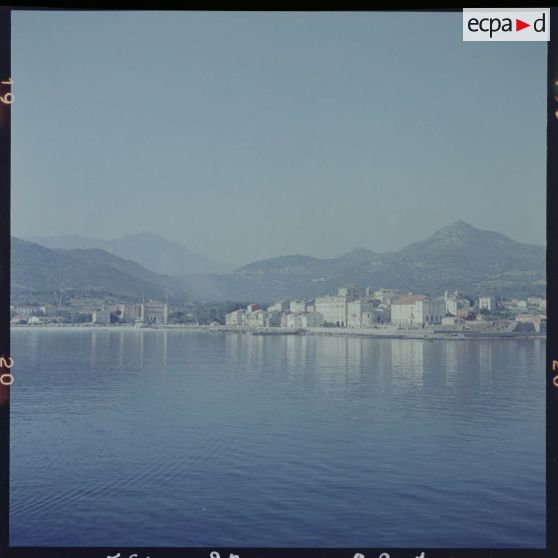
x: 252, y: 135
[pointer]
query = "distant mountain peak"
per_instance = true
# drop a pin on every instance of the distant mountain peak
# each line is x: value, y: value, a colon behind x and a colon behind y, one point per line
x: 461, y: 224
x: 458, y: 226
x: 460, y: 230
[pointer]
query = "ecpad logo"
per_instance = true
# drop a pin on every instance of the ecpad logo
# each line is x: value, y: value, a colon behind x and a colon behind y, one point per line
x: 493, y: 24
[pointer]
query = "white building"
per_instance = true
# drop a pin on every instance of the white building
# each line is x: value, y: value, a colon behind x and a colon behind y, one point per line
x: 294, y: 321
x: 362, y: 313
x: 452, y: 305
x: 386, y: 296
x: 27, y: 310
x: 129, y: 312
x: 312, y: 319
x: 101, y: 317
x: 236, y: 318
x: 279, y: 306
x: 486, y: 303
x: 456, y: 305
x: 297, y: 306
x: 304, y: 320
x: 333, y: 309
x: 154, y: 312
x: 257, y: 318
x: 417, y: 310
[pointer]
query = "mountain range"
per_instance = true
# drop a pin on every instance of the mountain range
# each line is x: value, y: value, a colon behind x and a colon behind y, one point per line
x: 37, y: 270
x: 149, y: 250
x: 458, y: 256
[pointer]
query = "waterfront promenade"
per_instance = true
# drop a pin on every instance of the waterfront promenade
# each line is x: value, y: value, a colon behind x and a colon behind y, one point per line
x: 388, y: 332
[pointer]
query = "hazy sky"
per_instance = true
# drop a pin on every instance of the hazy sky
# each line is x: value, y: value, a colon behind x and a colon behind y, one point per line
x: 246, y: 135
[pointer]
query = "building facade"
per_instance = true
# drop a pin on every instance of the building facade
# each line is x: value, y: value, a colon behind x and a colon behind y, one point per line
x: 304, y: 320
x: 279, y: 306
x: 273, y: 319
x: 362, y: 313
x: 257, y: 318
x: 333, y: 309
x: 456, y: 303
x: 154, y: 312
x: 352, y: 292
x: 129, y: 312
x: 417, y: 310
x: 486, y: 303
x: 236, y: 318
x: 101, y: 317
x: 386, y: 296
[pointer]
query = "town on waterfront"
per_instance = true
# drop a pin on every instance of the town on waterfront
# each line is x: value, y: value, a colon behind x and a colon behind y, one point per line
x: 277, y: 280
x: 353, y: 309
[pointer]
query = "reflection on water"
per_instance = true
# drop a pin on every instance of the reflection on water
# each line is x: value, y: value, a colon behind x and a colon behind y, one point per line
x: 153, y: 438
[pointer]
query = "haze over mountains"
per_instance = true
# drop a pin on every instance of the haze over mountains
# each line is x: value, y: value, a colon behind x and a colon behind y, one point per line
x: 456, y: 257
x: 36, y: 270
x: 152, y: 251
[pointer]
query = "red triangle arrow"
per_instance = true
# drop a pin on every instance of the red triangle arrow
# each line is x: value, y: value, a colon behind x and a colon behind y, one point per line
x: 519, y: 25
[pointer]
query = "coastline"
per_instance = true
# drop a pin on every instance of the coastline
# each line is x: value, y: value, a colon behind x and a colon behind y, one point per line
x: 426, y: 334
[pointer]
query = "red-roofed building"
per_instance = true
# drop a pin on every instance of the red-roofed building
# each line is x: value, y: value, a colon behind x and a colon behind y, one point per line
x: 409, y: 299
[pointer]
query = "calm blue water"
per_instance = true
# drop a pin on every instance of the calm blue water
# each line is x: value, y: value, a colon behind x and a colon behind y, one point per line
x: 131, y: 438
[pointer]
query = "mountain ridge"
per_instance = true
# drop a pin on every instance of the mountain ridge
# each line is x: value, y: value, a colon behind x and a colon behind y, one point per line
x: 458, y: 256
x: 36, y: 269
x: 152, y: 251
